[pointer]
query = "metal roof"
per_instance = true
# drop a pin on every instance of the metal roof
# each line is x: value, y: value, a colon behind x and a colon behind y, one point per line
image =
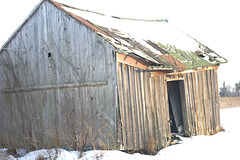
x: 155, y: 41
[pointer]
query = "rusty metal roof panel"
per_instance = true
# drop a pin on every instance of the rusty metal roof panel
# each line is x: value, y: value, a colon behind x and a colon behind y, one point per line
x: 148, y: 39
x: 178, y: 66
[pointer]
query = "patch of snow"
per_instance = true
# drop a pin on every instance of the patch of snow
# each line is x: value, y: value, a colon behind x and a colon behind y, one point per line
x: 4, y: 155
x: 21, y: 152
x: 224, y: 145
x: 230, y: 120
x: 3, y: 150
x: 116, y: 155
x: 162, y: 32
x: 51, y: 154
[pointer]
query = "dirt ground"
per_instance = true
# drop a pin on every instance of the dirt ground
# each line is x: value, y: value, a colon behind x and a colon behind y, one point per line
x: 228, y: 102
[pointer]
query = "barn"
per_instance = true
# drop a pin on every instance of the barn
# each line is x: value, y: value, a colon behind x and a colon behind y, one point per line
x: 79, y: 79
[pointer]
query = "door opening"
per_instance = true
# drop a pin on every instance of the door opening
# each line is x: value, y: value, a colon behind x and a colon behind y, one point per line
x: 175, y: 106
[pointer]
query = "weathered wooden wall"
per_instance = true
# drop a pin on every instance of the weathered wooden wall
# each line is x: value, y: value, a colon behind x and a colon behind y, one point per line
x: 201, y: 113
x: 144, y: 108
x: 58, y: 84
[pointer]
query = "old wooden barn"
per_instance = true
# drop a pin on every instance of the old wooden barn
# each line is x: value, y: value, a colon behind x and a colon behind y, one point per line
x: 73, y: 78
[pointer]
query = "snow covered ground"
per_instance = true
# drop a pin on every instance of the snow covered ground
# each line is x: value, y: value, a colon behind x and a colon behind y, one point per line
x: 224, y: 145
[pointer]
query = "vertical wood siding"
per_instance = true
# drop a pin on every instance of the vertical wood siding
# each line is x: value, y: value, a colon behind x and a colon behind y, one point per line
x: 202, y: 103
x: 51, y: 52
x: 143, y: 108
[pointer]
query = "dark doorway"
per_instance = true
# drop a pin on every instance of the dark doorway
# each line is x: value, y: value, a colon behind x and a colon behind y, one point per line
x: 175, y: 106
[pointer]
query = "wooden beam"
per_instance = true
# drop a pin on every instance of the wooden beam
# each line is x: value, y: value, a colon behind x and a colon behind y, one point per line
x: 207, y: 68
x: 57, y: 86
x: 132, y: 61
x: 160, y: 73
x: 167, y: 72
x: 174, y: 77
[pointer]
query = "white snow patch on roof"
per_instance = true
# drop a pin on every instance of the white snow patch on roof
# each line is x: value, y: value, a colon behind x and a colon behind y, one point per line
x: 162, y: 32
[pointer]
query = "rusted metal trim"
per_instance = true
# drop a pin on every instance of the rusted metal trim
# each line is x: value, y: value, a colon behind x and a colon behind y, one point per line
x: 50, y: 87
x: 76, y: 17
x: 178, y: 65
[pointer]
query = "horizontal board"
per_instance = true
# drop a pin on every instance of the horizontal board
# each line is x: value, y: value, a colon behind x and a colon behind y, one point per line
x: 49, y: 87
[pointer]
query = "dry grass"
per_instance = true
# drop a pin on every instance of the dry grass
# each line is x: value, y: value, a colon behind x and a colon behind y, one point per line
x: 151, y: 146
x: 229, y: 102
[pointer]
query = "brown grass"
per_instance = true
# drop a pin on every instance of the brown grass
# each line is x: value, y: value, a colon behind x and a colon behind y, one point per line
x: 151, y: 146
x: 229, y: 102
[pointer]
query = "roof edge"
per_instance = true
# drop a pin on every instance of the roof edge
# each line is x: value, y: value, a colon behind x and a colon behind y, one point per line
x: 206, y: 47
x: 59, y: 4
x: 76, y: 17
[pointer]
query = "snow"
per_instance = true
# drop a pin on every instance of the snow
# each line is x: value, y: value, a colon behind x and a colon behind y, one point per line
x: 223, y: 145
x: 158, y: 31
x: 61, y: 154
x: 163, y: 32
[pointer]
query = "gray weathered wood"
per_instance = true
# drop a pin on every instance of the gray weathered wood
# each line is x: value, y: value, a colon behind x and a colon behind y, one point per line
x: 53, y: 71
x: 49, y: 87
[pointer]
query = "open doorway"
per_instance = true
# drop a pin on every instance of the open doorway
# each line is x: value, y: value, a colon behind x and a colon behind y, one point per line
x: 175, y: 100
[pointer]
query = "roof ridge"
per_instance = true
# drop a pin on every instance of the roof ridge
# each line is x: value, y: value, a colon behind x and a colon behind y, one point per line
x: 84, y: 10
x: 115, y: 17
x: 145, y: 20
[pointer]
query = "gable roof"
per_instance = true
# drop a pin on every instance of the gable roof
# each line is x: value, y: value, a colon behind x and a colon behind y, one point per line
x: 155, y: 41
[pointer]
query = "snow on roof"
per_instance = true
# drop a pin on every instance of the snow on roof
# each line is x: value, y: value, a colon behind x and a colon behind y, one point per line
x: 147, y: 39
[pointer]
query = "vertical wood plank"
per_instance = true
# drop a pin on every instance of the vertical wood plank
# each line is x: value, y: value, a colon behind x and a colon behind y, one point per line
x: 142, y: 74
x: 132, y: 107
x: 203, y: 101
x: 121, y: 102
x: 127, y: 105
x: 193, y: 130
x: 188, y: 105
x: 138, y: 108
x: 210, y: 101
x: 184, y: 108
x: 148, y: 105
x: 141, y: 107
x: 156, y: 110
x: 213, y: 99
x: 217, y: 100
x: 165, y: 111
x: 163, y: 114
x: 196, y: 102
x: 206, y: 97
